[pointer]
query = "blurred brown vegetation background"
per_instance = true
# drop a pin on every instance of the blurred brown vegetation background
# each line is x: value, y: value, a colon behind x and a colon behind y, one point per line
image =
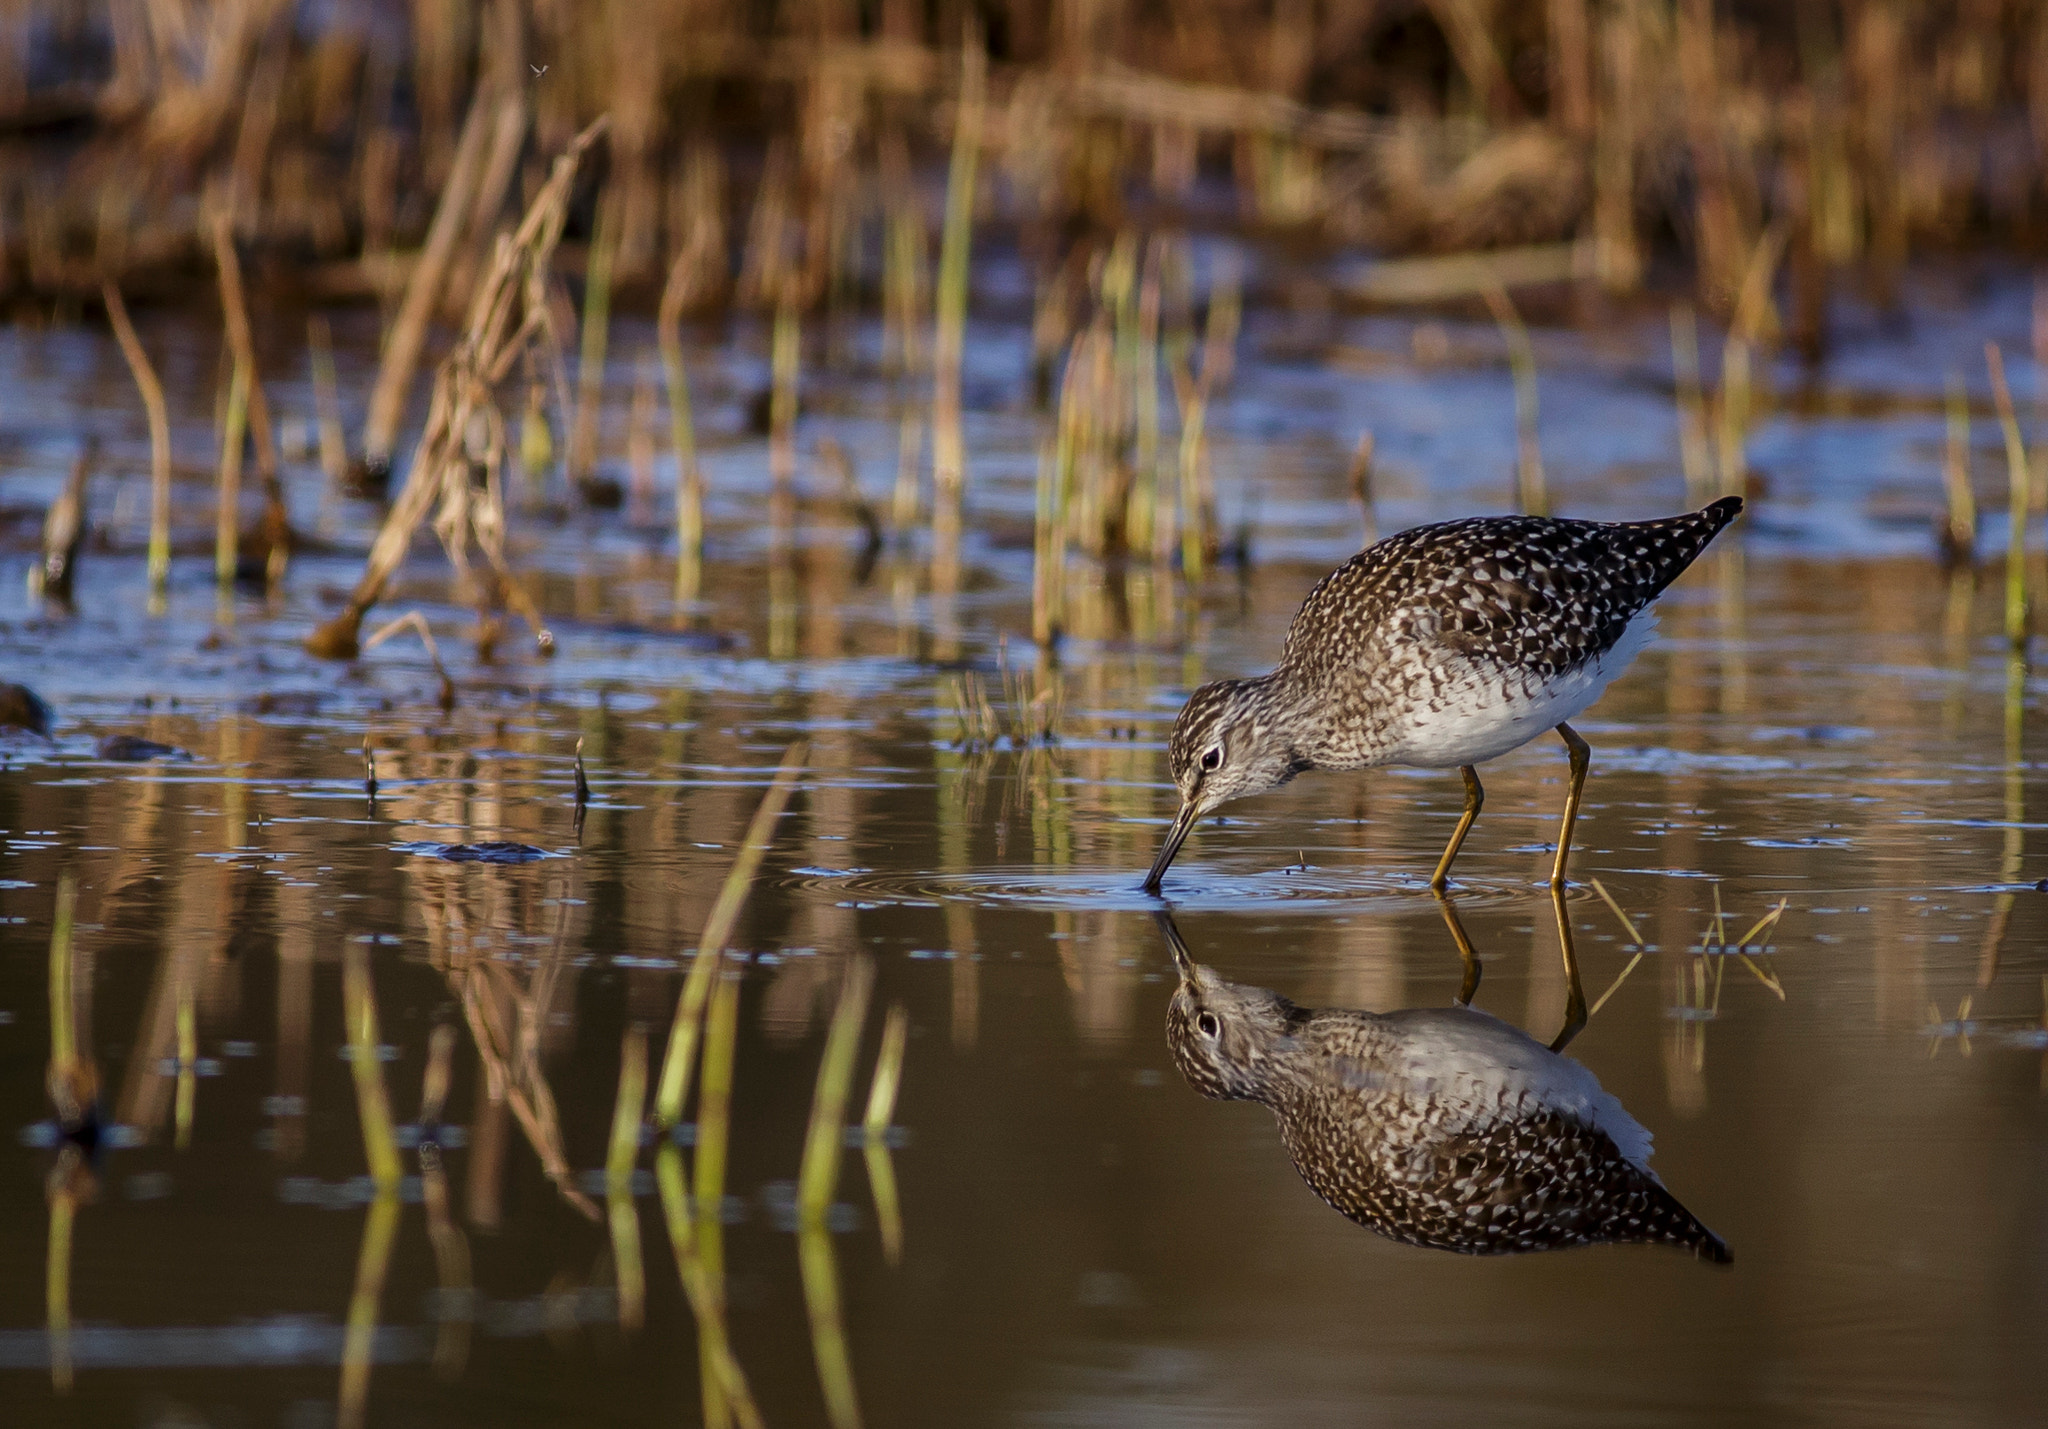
x: 772, y: 142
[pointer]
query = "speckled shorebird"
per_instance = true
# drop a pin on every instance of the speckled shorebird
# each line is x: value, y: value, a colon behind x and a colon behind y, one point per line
x: 1435, y: 1126
x: 1441, y: 647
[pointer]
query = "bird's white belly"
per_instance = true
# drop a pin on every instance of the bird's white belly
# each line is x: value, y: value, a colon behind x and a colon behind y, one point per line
x: 1485, y: 714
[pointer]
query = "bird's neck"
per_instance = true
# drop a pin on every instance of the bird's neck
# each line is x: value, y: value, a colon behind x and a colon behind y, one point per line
x: 1293, y: 701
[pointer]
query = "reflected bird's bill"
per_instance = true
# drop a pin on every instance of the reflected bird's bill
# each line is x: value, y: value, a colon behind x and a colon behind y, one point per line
x: 1175, y: 837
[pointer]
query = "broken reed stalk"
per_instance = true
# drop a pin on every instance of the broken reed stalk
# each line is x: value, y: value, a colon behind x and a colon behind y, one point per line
x: 416, y: 622
x: 64, y: 531
x: 1959, y: 530
x: 676, y: 1062
x: 874, y: 1124
x: 242, y: 341
x: 682, y: 427
x: 1694, y: 453
x: 1359, y: 479
x: 465, y: 390
x: 597, y: 311
x: 949, y: 457
x: 159, y: 437
x: 227, y: 526
x: 816, y: 1181
x: 1531, y: 492
x: 2016, y: 469
x: 327, y: 400
x: 624, y: 1150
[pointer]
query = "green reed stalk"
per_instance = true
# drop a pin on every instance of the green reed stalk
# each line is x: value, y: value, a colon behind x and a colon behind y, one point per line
x: 682, y: 434
x: 624, y: 1150
x: 816, y: 1181
x: 949, y: 457
x: 1193, y: 513
x: 64, y: 987
x: 2016, y: 468
x: 227, y: 524
x: 714, y: 1134
x: 785, y: 364
x: 380, y: 1145
x: 1140, y: 514
x: 874, y: 1128
x: 732, y: 897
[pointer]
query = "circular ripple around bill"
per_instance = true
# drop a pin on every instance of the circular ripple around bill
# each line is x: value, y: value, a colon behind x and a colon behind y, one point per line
x: 1117, y: 890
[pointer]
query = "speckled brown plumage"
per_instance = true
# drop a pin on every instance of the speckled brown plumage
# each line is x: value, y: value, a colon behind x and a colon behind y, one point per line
x: 1440, y: 1127
x: 1441, y: 647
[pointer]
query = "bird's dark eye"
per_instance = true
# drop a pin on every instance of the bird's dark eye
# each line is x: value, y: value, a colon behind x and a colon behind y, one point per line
x: 1206, y: 1022
x: 1212, y: 756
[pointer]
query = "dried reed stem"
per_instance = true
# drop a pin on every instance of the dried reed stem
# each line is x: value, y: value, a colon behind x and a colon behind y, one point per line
x: 1531, y: 491
x: 327, y: 400
x: 1694, y: 453
x: 597, y: 310
x: 1359, y: 479
x: 159, y: 437
x: 408, y: 335
x: 1959, y: 530
x: 242, y: 342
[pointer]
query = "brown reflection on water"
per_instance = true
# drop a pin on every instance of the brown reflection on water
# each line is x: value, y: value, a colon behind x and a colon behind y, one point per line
x: 1017, y: 1242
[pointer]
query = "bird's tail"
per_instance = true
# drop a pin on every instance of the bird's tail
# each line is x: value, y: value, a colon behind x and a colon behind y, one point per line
x: 1668, y: 546
x: 1670, y: 1223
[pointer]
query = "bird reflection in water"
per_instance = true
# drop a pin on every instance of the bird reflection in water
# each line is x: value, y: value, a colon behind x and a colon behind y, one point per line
x: 1435, y: 1126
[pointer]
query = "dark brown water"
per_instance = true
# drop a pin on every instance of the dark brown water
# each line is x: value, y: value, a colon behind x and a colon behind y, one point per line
x: 1826, y: 720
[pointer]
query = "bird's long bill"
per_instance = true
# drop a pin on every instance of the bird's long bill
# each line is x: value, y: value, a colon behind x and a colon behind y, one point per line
x: 1182, y: 962
x: 1183, y: 822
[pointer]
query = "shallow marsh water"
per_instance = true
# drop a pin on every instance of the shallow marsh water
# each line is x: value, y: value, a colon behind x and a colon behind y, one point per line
x: 1825, y: 720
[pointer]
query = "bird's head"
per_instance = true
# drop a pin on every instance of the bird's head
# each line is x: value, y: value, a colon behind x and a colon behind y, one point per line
x: 1227, y: 1039
x: 1228, y: 742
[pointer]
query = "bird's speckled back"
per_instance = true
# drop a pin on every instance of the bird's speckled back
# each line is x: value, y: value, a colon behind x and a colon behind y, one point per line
x: 1536, y: 594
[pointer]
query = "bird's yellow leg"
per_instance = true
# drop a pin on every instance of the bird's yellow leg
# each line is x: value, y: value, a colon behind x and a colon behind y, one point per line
x: 1475, y: 798
x: 1581, y: 754
x: 1470, y: 987
x: 1575, y: 995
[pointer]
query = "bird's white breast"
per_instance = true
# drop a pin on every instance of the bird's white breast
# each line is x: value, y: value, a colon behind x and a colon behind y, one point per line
x: 1481, y: 712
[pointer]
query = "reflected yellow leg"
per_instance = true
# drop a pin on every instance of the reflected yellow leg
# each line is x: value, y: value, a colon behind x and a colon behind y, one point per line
x: 1581, y: 753
x: 1475, y: 798
x: 1575, y: 995
x: 1470, y: 987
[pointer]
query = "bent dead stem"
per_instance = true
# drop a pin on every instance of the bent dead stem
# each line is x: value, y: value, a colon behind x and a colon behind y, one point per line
x: 465, y: 432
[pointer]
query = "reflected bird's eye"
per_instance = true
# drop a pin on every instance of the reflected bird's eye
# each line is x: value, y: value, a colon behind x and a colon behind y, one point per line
x: 1207, y: 1023
x: 1212, y: 756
